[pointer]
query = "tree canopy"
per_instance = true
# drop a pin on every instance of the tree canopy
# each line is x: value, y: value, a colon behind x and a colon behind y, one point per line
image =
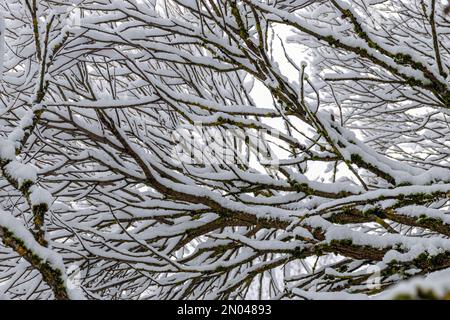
x: 220, y: 149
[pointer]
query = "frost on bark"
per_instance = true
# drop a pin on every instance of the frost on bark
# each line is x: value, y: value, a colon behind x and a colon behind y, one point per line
x: 218, y: 149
